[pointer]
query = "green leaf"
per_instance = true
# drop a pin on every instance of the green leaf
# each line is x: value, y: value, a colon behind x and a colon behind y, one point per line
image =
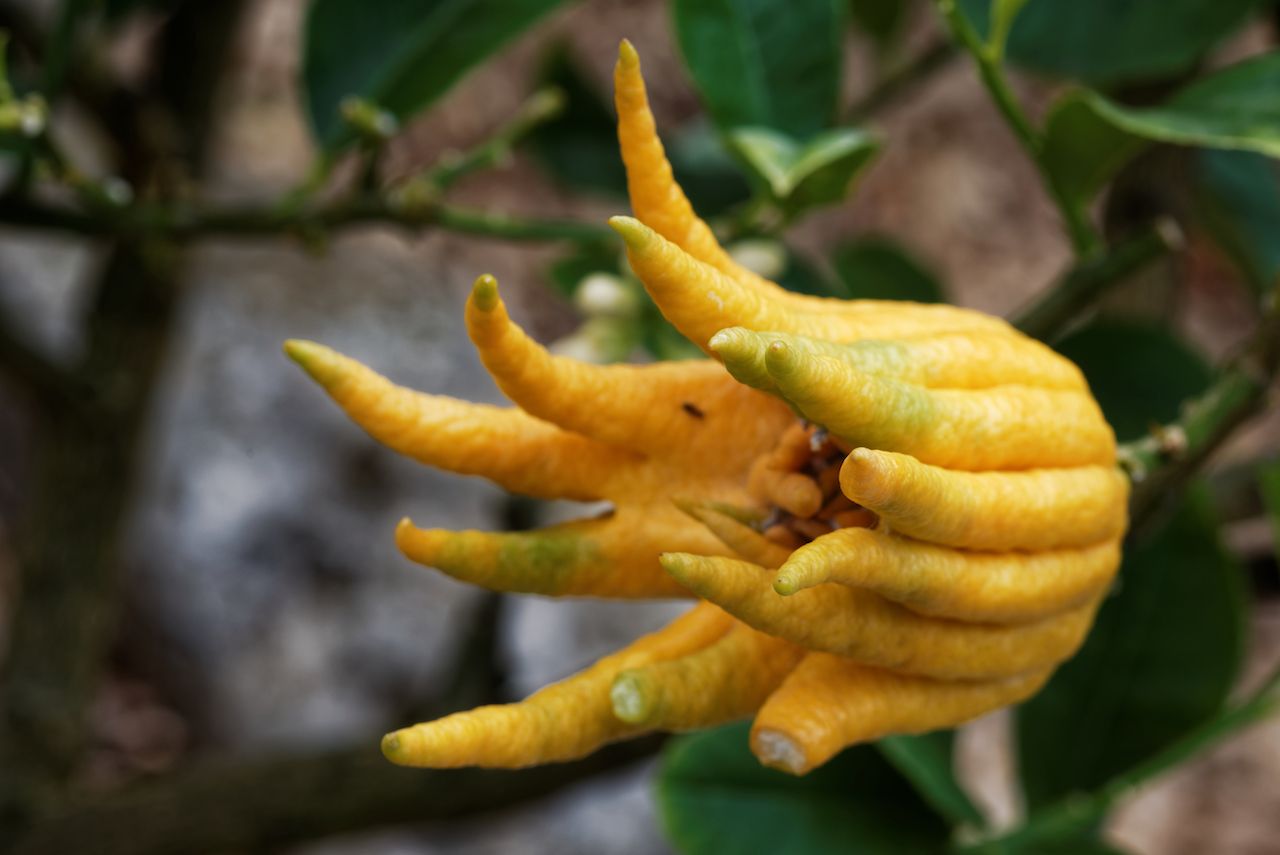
x: 1139, y: 372
x: 1082, y: 149
x: 717, y: 799
x: 400, y: 54
x: 758, y: 62
x: 1235, y: 108
x: 1003, y: 14
x: 1160, y: 660
x: 803, y: 176
x: 580, y: 146
x: 879, y: 269
x: 1104, y: 42
x: 703, y: 167
x: 1238, y: 195
x: 926, y: 761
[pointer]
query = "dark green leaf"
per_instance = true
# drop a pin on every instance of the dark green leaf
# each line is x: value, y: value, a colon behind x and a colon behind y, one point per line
x: 803, y: 176
x: 1082, y: 149
x: 1104, y: 42
x: 580, y: 146
x: 1235, y: 108
x: 1239, y: 198
x: 758, y: 62
x: 804, y: 278
x: 400, y: 54
x: 926, y: 761
x: 718, y: 800
x: 1161, y: 660
x: 709, y: 175
x: 1139, y: 372
x: 879, y: 269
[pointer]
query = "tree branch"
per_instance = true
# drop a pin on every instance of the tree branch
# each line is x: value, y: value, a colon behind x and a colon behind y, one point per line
x: 183, y: 223
x: 1051, y: 312
x: 262, y: 804
x: 1161, y: 463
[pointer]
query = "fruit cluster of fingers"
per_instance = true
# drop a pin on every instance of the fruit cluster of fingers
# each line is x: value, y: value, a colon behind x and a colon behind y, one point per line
x: 896, y: 517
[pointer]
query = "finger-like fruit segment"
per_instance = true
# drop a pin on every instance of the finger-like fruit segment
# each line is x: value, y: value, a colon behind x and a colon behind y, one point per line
x: 519, y: 452
x: 1004, y: 427
x: 828, y: 703
x: 1033, y: 509
x: 563, y: 721
x: 700, y: 300
x: 995, y: 587
x: 725, y: 681
x: 615, y: 556
x: 947, y: 360
x: 745, y: 541
x: 867, y: 628
x: 676, y: 410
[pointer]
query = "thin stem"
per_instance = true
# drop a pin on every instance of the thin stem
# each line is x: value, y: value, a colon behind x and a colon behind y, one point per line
x: 182, y: 222
x: 896, y: 83
x: 545, y: 105
x: 1162, y: 462
x: 1085, y: 239
x: 1051, y: 312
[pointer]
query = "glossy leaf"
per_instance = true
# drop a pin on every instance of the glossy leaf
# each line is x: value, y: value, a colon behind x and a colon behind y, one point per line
x: 1082, y: 149
x: 1160, y: 660
x: 716, y: 799
x: 401, y: 54
x: 926, y: 761
x: 1105, y: 42
x: 1238, y: 196
x: 803, y: 176
x: 1139, y: 372
x: 763, y: 63
x: 879, y: 269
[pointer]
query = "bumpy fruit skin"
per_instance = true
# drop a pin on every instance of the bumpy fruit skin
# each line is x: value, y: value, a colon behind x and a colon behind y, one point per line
x: 928, y: 546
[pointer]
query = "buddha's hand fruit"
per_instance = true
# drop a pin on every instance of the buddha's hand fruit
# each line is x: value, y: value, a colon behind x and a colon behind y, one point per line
x: 926, y: 545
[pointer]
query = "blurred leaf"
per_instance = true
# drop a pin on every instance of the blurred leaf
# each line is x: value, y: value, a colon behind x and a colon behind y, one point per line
x: 1239, y: 198
x: 1104, y: 42
x: 882, y: 20
x: 709, y: 175
x: 400, y: 54
x: 1160, y: 660
x: 1235, y: 108
x: 879, y: 269
x: 580, y: 146
x: 926, y: 761
x: 804, y: 278
x: 1003, y: 14
x: 1139, y: 372
x: 717, y: 799
x: 759, y: 62
x: 803, y: 176
x: 1082, y: 149
x: 570, y: 269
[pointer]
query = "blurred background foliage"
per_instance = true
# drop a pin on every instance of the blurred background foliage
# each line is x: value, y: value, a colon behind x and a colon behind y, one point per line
x: 1141, y: 139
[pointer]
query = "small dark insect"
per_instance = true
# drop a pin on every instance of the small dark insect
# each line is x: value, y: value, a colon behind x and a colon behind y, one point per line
x: 693, y: 410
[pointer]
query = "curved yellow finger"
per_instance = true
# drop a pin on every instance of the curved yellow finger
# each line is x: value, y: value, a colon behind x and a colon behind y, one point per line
x: 949, y: 360
x: 828, y: 703
x: 742, y: 539
x: 996, y: 587
x: 867, y: 628
x: 515, y: 450
x: 563, y: 721
x: 674, y: 410
x: 1004, y: 427
x: 1032, y: 509
x: 700, y: 300
x: 615, y: 556
x: 722, y: 682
